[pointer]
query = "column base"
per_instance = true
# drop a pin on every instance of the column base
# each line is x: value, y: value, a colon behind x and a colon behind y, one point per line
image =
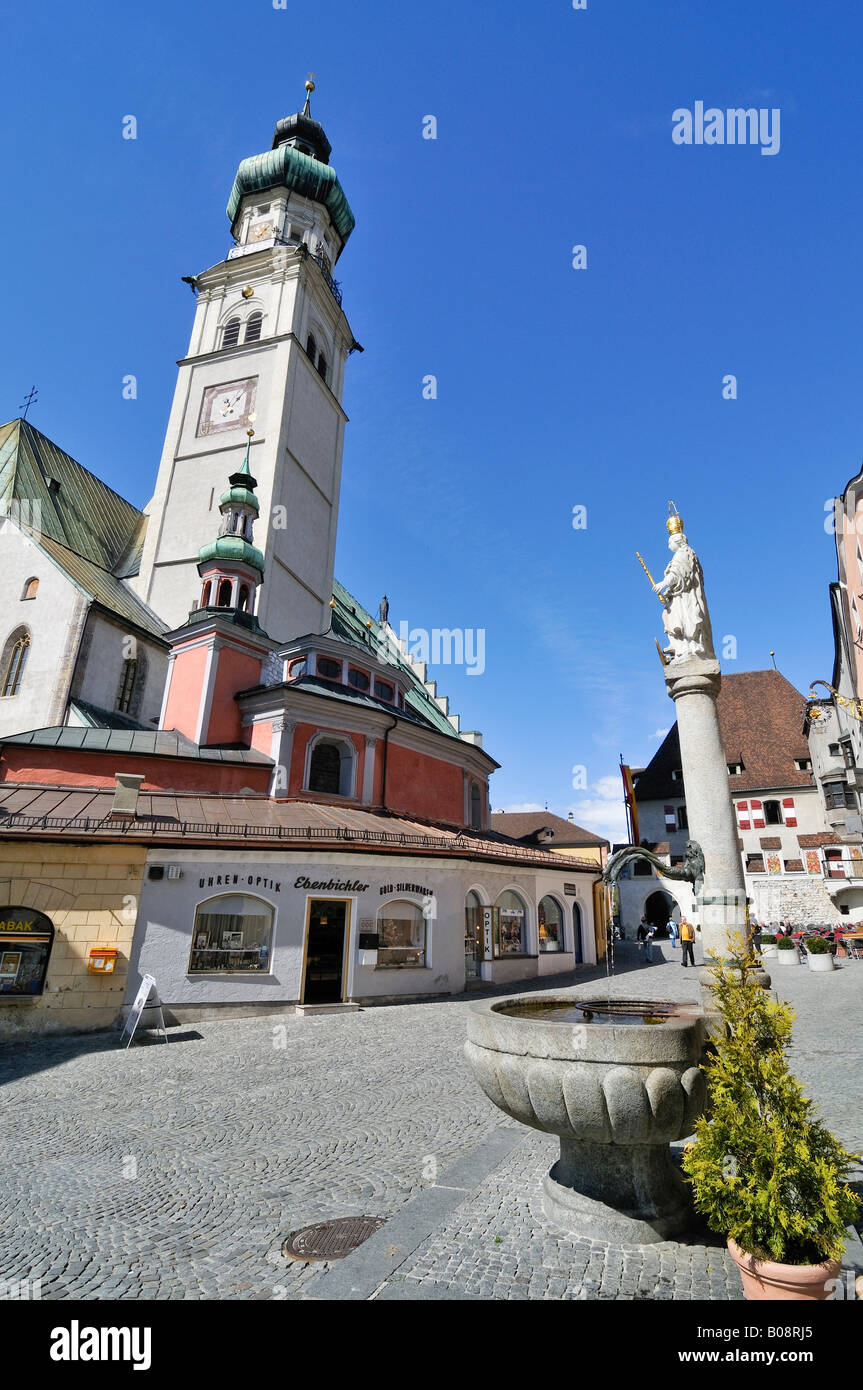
x: 608, y: 1192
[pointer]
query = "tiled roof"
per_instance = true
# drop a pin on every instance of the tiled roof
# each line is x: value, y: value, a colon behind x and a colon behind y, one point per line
x: 91, y: 533
x: 172, y: 818
x: 75, y: 509
x: 823, y: 837
x: 521, y: 825
x: 158, y: 743
x: 761, y: 722
x: 104, y: 588
x: 770, y: 842
x: 93, y: 717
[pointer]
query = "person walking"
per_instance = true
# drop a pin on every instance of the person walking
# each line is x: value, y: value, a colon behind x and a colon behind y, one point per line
x: 672, y: 931
x: 687, y: 942
x: 645, y: 938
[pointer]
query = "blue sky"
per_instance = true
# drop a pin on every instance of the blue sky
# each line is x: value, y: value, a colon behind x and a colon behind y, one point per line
x: 556, y: 387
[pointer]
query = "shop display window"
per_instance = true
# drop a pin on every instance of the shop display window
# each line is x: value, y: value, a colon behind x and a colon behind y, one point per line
x: 232, y: 934
x: 401, y: 935
x: 550, y: 922
x: 511, y: 941
x: 26, y: 938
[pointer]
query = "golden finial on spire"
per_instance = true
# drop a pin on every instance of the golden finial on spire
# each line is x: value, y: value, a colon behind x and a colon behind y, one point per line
x: 310, y: 87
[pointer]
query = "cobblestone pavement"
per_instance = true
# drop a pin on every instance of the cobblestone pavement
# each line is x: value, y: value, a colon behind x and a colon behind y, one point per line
x: 175, y: 1171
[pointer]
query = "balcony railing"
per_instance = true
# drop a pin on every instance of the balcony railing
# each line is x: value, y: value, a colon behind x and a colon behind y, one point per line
x: 333, y: 285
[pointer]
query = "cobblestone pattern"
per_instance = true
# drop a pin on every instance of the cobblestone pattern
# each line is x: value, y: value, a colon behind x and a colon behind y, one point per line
x: 175, y: 1171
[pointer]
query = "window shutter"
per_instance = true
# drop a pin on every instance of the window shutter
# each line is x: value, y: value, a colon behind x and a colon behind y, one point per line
x: 757, y: 815
x: 743, y: 815
x: 788, y: 810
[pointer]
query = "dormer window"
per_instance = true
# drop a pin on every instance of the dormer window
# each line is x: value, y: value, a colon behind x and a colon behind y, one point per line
x: 677, y: 774
x: 735, y: 769
x: 231, y: 335
x: 803, y: 764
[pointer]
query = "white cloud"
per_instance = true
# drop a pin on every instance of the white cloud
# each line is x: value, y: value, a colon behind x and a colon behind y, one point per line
x: 659, y: 733
x: 521, y: 806
x: 603, y: 811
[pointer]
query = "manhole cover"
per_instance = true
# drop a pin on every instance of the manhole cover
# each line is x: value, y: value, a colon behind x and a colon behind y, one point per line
x: 330, y: 1240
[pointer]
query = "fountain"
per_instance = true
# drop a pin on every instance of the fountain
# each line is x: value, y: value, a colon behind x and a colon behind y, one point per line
x: 618, y: 1080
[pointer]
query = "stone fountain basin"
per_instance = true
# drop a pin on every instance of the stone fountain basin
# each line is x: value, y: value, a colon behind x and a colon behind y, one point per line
x: 612, y: 1083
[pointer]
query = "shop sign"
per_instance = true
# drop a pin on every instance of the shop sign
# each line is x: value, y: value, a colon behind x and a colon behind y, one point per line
x: 571, y: 890
x: 389, y: 888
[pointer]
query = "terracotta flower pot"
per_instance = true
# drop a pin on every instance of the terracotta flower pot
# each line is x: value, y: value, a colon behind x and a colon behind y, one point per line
x: 766, y: 1280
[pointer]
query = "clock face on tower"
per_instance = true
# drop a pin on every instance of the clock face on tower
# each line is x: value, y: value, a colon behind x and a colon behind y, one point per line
x: 228, y: 406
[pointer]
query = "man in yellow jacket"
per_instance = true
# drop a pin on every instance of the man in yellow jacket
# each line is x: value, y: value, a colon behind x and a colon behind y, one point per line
x: 687, y: 941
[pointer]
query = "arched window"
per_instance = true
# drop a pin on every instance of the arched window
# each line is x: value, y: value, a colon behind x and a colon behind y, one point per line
x: 205, y: 595
x: 475, y: 807
x: 312, y: 347
x: 325, y: 768
x: 550, y: 922
x: 127, y: 686
x: 576, y: 934
x: 226, y: 589
x: 322, y: 366
x: 513, y: 924
x: 231, y: 334
x: 232, y: 934
x: 15, y: 655
x: 30, y: 589
x: 331, y: 767
x: 473, y: 942
x: 253, y: 328
x: 401, y: 935
x: 243, y: 601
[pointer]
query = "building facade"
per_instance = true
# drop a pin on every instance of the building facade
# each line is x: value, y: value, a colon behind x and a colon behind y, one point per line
x: 308, y: 822
x: 784, y: 836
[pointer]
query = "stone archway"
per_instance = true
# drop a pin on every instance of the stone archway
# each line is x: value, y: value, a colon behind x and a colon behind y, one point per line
x: 657, y: 907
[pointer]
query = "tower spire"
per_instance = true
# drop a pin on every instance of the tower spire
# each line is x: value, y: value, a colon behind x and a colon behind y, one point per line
x: 310, y: 87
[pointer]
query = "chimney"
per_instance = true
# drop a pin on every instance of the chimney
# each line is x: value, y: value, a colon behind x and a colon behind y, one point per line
x: 126, y: 789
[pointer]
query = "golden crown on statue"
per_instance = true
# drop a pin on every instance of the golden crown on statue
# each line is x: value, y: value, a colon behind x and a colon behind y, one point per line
x: 674, y: 524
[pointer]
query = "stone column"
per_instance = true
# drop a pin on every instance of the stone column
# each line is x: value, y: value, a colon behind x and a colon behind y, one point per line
x: 693, y: 684
x: 369, y: 770
x: 281, y: 749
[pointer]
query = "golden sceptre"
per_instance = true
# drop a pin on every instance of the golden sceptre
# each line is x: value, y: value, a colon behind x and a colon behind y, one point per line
x: 661, y: 597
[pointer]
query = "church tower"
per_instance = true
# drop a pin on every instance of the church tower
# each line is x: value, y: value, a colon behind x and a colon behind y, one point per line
x: 269, y: 344
x: 221, y: 648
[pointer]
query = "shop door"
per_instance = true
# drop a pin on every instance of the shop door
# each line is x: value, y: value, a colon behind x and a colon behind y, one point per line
x: 473, y: 943
x: 325, y: 952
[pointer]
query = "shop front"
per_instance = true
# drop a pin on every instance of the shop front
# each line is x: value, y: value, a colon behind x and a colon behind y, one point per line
x: 254, y: 932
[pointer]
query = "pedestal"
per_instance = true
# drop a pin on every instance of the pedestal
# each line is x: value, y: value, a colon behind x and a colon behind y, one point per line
x: 693, y: 685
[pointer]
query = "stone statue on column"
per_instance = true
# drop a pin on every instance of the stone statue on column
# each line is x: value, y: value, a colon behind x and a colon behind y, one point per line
x: 692, y: 679
x: 681, y: 589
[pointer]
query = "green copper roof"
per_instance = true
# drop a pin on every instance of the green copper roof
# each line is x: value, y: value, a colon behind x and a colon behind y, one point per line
x: 241, y: 495
x: 289, y: 167
x: 232, y: 548
x: 349, y: 620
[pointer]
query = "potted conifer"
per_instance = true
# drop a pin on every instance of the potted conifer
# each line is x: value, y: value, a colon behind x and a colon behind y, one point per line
x: 764, y: 1171
x: 819, y: 956
x: 786, y: 951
